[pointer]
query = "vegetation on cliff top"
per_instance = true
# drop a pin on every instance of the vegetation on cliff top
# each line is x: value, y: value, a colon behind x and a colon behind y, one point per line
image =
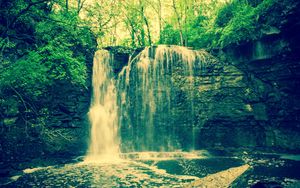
x: 232, y: 22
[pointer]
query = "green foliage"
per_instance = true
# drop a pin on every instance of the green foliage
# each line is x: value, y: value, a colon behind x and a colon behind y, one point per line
x: 52, y: 48
x: 198, y: 30
x: 60, y: 53
x: 64, y: 46
x: 234, y: 22
x: 33, y: 73
x: 241, y: 27
x: 225, y: 14
x: 249, y: 19
x: 61, y: 64
x: 169, y: 35
x: 201, y: 34
x: 43, y: 66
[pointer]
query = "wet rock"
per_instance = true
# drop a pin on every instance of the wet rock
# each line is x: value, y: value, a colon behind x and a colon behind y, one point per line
x: 220, y: 179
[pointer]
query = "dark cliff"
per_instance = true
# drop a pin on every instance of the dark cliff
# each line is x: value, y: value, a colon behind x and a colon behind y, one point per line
x: 249, y: 99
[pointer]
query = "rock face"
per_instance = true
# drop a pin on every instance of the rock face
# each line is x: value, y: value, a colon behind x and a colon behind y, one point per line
x: 262, y: 77
x: 250, y: 99
x: 249, y: 109
x: 256, y: 101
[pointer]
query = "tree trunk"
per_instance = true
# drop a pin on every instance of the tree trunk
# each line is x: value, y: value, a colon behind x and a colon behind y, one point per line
x: 67, y: 5
x: 178, y: 22
x: 141, y: 4
x: 147, y: 25
x: 186, y: 11
x: 159, y: 20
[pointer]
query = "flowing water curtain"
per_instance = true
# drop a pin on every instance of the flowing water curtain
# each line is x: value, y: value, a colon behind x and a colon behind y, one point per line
x: 103, y: 113
x: 149, y: 88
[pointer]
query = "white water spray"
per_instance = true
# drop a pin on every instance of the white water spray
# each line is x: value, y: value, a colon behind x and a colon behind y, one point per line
x: 104, y: 144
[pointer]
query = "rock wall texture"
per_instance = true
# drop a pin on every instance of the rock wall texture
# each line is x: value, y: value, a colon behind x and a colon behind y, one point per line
x: 262, y: 108
x: 253, y: 103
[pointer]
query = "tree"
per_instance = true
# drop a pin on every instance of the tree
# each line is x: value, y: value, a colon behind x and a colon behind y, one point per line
x: 179, y: 21
x: 136, y: 22
x: 142, y: 11
x: 159, y: 12
x: 104, y: 20
x: 67, y: 5
x: 12, y: 13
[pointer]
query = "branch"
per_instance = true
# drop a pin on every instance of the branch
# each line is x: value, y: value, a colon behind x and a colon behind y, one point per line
x: 80, y: 6
x: 23, y: 101
x: 20, y: 97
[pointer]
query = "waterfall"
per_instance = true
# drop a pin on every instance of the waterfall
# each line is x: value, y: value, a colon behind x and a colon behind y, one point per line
x: 151, y: 102
x: 104, y: 144
x: 147, y: 90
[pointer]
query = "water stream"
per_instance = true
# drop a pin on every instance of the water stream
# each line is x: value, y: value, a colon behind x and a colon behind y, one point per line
x: 104, y: 142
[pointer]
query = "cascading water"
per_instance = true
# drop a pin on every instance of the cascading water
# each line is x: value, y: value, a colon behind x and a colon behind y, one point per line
x: 147, y: 91
x: 156, y: 83
x: 104, y: 144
